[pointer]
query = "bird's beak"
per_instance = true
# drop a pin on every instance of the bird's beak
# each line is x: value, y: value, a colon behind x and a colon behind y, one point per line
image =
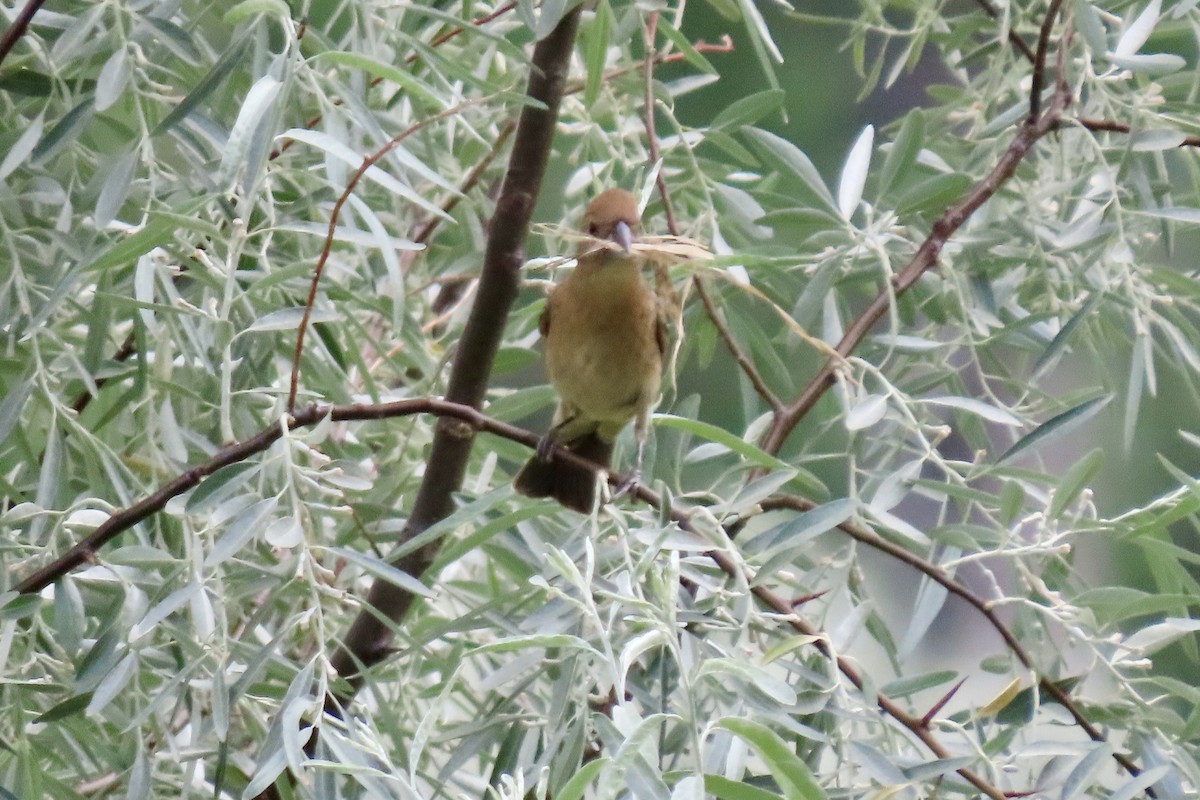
x: 622, y: 234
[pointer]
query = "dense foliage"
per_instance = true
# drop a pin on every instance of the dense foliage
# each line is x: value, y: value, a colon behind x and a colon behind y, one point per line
x: 877, y: 476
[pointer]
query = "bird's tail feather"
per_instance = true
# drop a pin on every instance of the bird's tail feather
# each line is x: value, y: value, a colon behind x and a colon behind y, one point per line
x: 572, y: 486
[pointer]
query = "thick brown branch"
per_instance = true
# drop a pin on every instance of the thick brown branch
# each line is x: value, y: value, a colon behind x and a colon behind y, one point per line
x: 126, y: 518
x: 369, y: 636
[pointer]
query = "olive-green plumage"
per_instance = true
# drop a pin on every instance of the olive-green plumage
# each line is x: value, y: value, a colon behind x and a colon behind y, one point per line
x: 603, y: 352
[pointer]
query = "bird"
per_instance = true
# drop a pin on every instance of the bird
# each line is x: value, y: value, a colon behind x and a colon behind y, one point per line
x: 604, y: 342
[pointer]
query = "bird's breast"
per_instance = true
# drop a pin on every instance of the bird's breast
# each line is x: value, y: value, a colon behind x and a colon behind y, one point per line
x: 601, y: 348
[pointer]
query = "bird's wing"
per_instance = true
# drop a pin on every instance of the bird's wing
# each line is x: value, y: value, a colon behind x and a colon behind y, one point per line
x: 661, y: 333
x: 544, y: 318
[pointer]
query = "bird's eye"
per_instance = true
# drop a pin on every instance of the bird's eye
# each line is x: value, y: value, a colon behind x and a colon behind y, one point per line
x: 592, y: 229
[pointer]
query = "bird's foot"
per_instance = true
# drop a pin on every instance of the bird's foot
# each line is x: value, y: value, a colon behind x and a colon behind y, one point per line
x: 545, y: 448
x: 628, y: 486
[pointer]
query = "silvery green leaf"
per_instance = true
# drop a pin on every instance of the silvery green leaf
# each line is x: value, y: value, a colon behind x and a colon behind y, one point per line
x: 866, y: 412
x: 1089, y: 24
x: 352, y: 236
x: 23, y: 146
x: 1138, y: 784
x: 344, y: 153
x: 854, y: 172
x: 115, y: 188
x: 986, y: 410
x: 76, y: 34
x: 1157, y: 139
x: 284, y: 533
x: 239, y: 532
x: 1139, y: 30
x: 174, y: 38
x: 254, y: 108
x: 1158, y: 635
x: 112, y: 684
x: 1081, y: 775
x: 288, y: 319
x: 114, y: 75
x: 382, y: 570
x: 165, y: 608
x: 1055, y: 426
x: 63, y: 131
x: 785, y: 154
x: 1175, y: 214
x: 1154, y: 64
x: 139, y: 776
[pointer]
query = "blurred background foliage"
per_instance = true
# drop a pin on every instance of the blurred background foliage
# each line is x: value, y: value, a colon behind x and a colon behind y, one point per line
x: 167, y: 173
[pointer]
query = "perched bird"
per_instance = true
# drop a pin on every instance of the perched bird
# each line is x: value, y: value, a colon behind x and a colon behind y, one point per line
x: 604, y: 345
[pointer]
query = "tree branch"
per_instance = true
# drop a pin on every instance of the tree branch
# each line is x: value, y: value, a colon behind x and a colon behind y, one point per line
x: 369, y: 636
x: 18, y: 28
x: 1032, y: 129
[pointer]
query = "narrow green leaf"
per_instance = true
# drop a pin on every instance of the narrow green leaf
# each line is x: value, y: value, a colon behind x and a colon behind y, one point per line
x: 690, y: 53
x: 577, y: 785
x: 1076, y: 480
x: 388, y: 72
x: 595, y: 51
x: 725, y: 789
x: 903, y: 152
x: 793, y: 775
x: 231, y: 58
x: 384, y: 571
x: 63, y: 131
x: 723, y: 437
x: 1055, y: 426
x: 219, y: 486
x: 784, y: 154
x: 750, y: 109
x: 903, y: 687
x: 249, y: 8
x: 1064, y: 334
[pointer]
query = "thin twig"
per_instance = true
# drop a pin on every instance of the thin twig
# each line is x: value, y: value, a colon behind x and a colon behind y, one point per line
x: 127, y: 349
x: 1111, y: 126
x: 1013, y: 36
x: 954, y: 587
x: 469, y: 182
x: 1039, y: 62
x: 1031, y: 130
x: 18, y: 27
x: 710, y: 307
x: 327, y: 248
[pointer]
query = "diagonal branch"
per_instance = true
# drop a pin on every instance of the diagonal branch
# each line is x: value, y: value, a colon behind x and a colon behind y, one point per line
x: 18, y: 27
x: 369, y: 637
x: 954, y: 587
x: 1030, y: 131
x: 1013, y: 36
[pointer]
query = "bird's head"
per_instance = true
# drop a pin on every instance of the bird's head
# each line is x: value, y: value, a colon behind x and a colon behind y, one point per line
x: 613, y: 216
